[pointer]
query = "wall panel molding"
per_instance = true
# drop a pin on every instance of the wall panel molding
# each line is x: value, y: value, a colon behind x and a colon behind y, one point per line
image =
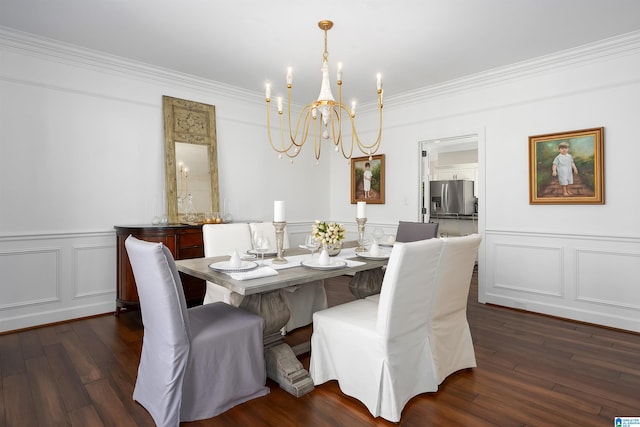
x: 98, y: 280
x: 597, y: 275
x: 608, y: 277
x: 56, y: 277
x: 517, y: 264
x: 30, y: 277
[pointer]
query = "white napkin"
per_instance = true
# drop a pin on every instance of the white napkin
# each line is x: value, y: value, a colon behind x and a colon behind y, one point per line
x: 254, y: 274
x: 352, y: 263
x: 292, y: 261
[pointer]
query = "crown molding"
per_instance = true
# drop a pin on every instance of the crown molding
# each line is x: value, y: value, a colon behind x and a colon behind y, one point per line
x: 99, y: 61
x: 622, y: 45
x: 625, y: 44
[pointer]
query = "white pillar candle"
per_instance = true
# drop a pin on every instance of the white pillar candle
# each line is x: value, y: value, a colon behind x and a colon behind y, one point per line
x: 278, y: 211
x: 360, y: 210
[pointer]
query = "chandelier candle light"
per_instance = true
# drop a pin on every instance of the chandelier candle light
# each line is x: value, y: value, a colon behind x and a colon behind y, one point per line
x: 279, y: 223
x: 329, y: 125
x: 361, y: 219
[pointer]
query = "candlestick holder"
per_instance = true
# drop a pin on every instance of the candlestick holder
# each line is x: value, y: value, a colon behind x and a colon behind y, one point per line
x: 361, y: 222
x: 279, y: 225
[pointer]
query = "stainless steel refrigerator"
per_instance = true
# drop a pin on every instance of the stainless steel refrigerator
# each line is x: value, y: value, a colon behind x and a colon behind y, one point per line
x: 452, y: 197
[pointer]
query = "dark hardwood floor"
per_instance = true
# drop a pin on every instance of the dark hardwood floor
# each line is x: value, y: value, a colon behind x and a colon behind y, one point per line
x: 532, y: 371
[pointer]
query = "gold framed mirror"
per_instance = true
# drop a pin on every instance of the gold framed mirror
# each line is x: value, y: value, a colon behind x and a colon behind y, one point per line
x: 191, y: 160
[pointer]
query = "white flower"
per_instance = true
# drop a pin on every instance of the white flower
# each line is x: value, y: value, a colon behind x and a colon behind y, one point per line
x: 328, y: 233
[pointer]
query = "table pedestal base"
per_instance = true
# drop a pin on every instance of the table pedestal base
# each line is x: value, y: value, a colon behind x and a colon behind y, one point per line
x: 282, y: 364
x: 366, y: 283
x: 284, y: 367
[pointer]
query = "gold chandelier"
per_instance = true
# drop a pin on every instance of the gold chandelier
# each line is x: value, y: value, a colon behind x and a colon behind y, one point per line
x: 329, y: 123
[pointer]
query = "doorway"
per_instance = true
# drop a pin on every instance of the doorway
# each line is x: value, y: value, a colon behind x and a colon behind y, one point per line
x: 449, y: 159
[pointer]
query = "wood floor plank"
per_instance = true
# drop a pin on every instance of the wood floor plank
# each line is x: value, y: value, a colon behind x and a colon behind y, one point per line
x: 85, y: 416
x: 108, y: 405
x: 80, y: 355
x: 11, y: 357
x: 100, y: 353
x: 30, y: 344
x: 2, y: 411
x: 49, y: 406
x: 19, y: 406
x: 67, y: 378
x: 562, y: 376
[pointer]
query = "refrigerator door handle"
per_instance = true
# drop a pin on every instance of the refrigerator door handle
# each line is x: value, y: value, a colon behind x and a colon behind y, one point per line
x: 445, y: 198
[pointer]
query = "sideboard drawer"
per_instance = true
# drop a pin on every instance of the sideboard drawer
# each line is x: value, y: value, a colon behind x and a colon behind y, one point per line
x: 191, y: 239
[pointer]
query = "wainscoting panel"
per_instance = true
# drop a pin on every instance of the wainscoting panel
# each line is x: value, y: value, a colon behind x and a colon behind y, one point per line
x: 528, y: 268
x: 30, y: 277
x: 94, y: 270
x: 592, y: 279
x: 608, y: 278
x: 50, y: 278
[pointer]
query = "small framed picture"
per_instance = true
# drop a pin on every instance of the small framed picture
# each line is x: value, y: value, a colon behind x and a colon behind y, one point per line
x: 567, y: 167
x: 367, y: 179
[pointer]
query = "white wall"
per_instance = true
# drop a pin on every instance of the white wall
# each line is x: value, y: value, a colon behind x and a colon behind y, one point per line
x: 575, y: 261
x: 81, y: 151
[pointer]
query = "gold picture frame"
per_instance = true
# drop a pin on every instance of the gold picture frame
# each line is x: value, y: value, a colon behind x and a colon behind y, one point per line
x: 359, y: 181
x: 567, y: 167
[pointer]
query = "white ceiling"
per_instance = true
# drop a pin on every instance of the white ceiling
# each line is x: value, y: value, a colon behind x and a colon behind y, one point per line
x: 245, y: 43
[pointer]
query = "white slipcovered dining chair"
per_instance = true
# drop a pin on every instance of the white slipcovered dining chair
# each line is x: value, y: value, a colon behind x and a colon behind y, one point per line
x: 195, y: 363
x: 302, y: 300
x: 381, y: 353
x: 450, y: 334
x: 221, y: 240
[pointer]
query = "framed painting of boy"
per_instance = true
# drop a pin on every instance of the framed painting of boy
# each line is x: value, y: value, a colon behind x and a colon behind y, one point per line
x: 567, y: 167
x: 367, y: 179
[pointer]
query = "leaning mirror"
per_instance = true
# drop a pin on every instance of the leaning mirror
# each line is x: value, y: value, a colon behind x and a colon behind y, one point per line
x: 191, y: 160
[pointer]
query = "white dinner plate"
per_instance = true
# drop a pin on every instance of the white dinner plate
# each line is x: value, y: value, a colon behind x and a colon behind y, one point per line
x: 268, y: 253
x: 226, y: 267
x: 333, y: 264
x: 367, y: 255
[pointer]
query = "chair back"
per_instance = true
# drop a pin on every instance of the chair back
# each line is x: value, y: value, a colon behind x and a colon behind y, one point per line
x: 413, y: 231
x: 223, y: 239
x: 450, y: 336
x: 270, y: 232
x: 166, y: 324
x: 407, y: 290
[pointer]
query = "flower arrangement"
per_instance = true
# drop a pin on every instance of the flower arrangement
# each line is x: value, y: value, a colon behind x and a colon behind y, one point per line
x: 328, y: 233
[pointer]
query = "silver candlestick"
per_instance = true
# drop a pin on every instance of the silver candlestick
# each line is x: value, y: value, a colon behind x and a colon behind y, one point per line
x: 279, y: 225
x: 361, y: 222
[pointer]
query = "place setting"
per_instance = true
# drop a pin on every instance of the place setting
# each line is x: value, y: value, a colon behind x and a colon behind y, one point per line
x: 242, y: 269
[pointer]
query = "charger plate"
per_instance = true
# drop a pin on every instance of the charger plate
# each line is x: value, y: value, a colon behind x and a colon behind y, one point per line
x: 226, y: 267
x: 333, y: 264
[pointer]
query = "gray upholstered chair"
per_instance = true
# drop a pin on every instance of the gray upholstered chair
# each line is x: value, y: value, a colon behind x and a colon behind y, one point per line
x: 412, y: 231
x: 196, y: 363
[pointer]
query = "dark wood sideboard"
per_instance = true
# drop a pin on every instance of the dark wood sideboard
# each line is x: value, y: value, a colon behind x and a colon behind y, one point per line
x: 184, y: 241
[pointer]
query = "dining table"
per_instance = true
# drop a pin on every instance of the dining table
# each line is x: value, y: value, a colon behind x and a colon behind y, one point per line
x: 259, y: 289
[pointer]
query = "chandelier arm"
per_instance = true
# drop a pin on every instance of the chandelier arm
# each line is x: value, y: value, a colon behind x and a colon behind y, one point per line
x: 293, y: 135
x: 369, y: 149
x: 269, y: 130
x: 340, y: 141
